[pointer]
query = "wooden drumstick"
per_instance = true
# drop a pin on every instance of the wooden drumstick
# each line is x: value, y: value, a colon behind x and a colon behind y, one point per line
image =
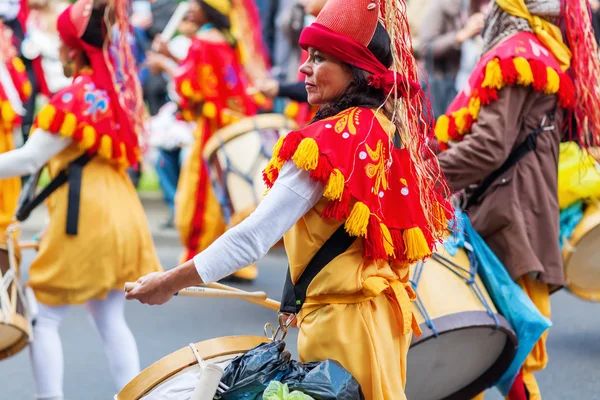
x: 173, y: 24
x: 268, y: 303
x: 198, y: 291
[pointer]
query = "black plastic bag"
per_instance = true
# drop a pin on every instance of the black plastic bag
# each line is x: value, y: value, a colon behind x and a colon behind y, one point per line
x: 249, y: 375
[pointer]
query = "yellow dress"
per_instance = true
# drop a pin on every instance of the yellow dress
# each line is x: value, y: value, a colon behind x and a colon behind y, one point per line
x: 113, y: 245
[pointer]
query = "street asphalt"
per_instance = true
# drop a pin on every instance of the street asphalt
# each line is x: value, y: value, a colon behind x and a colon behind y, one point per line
x: 573, y: 344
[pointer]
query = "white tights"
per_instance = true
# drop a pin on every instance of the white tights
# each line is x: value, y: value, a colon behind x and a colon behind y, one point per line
x: 119, y: 345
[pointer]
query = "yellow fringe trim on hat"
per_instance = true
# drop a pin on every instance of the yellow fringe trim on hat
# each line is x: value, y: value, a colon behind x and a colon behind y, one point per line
x: 67, y: 129
x: 335, y: 186
x: 88, y: 137
x: 358, y: 220
x: 307, y: 154
x: 493, y: 75
x: 553, y: 83
x: 441, y: 129
x: 388, y: 243
x: 105, y: 147
x: 45, y: 117
x: 415, y: 244
x: 522, y: 66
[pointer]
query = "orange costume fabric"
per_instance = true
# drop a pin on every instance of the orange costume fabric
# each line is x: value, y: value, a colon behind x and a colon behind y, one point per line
x: 10, y: 188
x: 113, y: 244
x: 363, y: 297
x: 212, y: 87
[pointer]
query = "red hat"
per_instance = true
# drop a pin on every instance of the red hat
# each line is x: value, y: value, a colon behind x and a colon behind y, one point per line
x: 344, y: 29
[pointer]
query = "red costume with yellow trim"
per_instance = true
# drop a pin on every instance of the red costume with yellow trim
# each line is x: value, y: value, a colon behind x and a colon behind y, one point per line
x: 212, y: 85
x: 9, y: 120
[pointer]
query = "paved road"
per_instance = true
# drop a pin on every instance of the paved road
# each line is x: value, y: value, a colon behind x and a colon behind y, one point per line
x: 574, y: 343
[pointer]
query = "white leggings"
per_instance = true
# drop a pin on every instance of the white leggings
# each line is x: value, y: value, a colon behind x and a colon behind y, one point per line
x: 119, y: 345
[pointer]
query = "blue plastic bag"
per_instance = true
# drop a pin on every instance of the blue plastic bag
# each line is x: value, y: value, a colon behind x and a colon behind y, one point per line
x: 510, y: 300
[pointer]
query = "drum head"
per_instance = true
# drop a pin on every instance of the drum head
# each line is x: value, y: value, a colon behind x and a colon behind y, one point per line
x: 468, y: 341
x: 582, y: 268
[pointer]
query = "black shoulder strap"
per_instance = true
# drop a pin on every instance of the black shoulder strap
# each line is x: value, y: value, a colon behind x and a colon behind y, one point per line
x: 72, y: 174
x: 294, y: 295
x: 515, y: 156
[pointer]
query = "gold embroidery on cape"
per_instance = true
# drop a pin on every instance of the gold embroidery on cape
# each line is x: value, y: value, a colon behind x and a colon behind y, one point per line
x: 346, y: 119
x: 377, y: 170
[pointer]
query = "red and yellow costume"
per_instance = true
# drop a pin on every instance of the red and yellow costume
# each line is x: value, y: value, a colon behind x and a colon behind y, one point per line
x: 212, y: 85
x: 10, y: 188
x: 113, y: 244
x: 358, y: 307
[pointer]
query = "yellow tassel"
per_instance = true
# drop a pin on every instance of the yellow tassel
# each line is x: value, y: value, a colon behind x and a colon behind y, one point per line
x: 123, y: 161
x: 357, y: 222
x: 524, y: 69
x: 105, y: 147
x: 493, y: 75
x: 553, y: 83
x: 89, y: 137
x: 45, y: 117
x: 8, y: 114
x: 441, y: 129
x: 415, y: 244
x: 291, y: 111
x: 388, y: 243
x: 459, y: 120
x: 307, y: 154
x: 186, y: 89
x: 474, y: 107
x: 27, y: 89
x: 18, y: 65
x: 209, y: 110
x: 335, y: 186
x: 68, y: 126
x: 187, y: 115
x: 277, y: 148
x: 441, y: 222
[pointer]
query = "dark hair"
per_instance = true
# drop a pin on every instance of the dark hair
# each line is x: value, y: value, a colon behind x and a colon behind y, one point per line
x: 95, y: 31
x: 359, y: 93
x: 219, y: 21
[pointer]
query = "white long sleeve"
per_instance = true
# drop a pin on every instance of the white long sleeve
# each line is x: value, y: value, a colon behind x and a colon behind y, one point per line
x: 36, y: 152
x: 292, y: 196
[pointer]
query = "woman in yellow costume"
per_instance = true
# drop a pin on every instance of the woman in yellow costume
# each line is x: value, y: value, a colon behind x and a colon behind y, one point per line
x: 352, y: 197
x: 211, y: 83
x: 501, y: 137
x: 97, y: 238
x: 15, y: 88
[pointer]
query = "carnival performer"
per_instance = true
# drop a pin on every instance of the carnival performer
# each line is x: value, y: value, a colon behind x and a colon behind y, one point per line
x: 502, y: 136
x: 211, y: 84
x: 355, y: 179
x: 92, y: 246
x: 15, y: 89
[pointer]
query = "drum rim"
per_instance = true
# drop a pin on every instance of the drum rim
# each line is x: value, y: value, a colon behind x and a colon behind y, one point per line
x: 245, y: 125
x: 183, y: 358
x: 20, y: 323
x: 480, y: 319
x: 584, y: 228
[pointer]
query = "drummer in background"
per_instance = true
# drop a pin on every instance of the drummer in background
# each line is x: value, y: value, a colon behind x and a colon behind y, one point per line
x: 211, y: 84
x: 15, y: 89
x: 519, y: 86
x: 89, y: 261
x: 354, y: 176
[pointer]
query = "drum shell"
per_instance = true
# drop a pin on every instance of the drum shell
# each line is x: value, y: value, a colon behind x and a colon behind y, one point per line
x: 470, y: 352
x: 15, y: 330
x: 580, y: 256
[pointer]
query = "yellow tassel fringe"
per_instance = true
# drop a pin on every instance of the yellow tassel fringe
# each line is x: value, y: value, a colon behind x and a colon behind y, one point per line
x: 357, y: 222
x: 388, y: 244
x: 45, y: 117
x: 335, y: 186
x: 522, y: 66
x: 105, y: 147
x: 69, y: 125
x: 441, y: 129
x: 307, y: 154
x: 553, y: 83
x: 415, y: 244
x: 493, y: 75
x: 89, y: 137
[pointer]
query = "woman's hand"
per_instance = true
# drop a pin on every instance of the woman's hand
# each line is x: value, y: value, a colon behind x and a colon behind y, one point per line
x: 473, y: 27
x: 161, y: 47
x: 152, y: 289
x: 156, y: 62
x: 268, y: 87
